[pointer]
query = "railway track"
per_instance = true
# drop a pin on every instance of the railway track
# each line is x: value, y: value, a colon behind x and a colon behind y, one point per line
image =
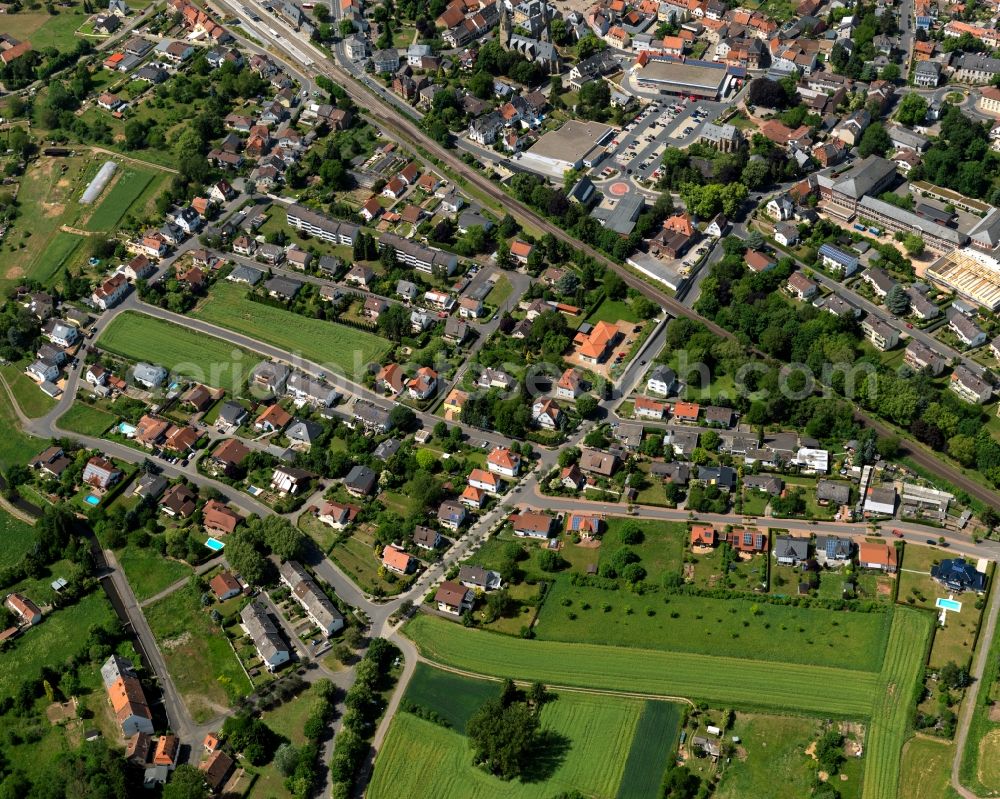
x: 405, y: 129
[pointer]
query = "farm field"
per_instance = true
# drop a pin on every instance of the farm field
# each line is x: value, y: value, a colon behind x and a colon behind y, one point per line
x: 724, y: 627
x: 130, y: 183
x: 86, y: 420
x: 45, y: 30
x: 894, y: 701
x: 197, y: 356
x: 339, y: 348
x: 201, y: 660
x: 61, y: 634
x: 149, y: 572
x: 926, y: 769
x: 63, y: 250
x: 588, y: 741
x: 42, y: 241
x: 653, y: 745
x: 764, y: 685
x: 17, y: 537
x: 453, y: 697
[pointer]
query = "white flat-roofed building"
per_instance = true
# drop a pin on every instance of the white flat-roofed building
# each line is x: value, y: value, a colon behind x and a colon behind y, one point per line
x: 575, y: 145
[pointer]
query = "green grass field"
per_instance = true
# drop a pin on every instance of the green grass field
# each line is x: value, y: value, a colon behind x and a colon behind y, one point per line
x: 762, y: 685
x: 588, y: 739
x: 723, y: 627
x: 337, y: 348
x: 60, y: 252
x: 894, y: 700
x: 926, y: 769
x: 149, y: 572
x: 652, y: 747
x: 612, y: 311
x: 201, y: 661
x: 453, y: 697
x: 776, y: 766
x: 61, y: 634
x: 17, y: 537
x: 197, y: 356
x: 15, y: 446
x: 982, y: 749
x: 32, y: 401
x: 128, y: 188
x: 86, y: 420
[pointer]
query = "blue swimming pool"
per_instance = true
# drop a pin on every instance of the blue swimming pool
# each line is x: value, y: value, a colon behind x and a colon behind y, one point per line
x: 90, y: 499
x: 214, y: 544
x: 126, y: 429
x: 949, y: 604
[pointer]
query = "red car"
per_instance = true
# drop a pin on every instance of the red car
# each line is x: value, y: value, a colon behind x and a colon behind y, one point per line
x: 897, y: 533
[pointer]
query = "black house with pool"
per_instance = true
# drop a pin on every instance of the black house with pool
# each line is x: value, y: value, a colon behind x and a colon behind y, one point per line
x: 957, y: 574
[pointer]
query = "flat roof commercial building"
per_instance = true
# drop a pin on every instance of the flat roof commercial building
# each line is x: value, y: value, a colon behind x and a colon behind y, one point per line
x: 575, y: 145
x: 680, y: 76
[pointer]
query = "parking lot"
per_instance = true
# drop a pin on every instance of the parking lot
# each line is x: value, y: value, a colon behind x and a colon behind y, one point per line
x: 673, y: 121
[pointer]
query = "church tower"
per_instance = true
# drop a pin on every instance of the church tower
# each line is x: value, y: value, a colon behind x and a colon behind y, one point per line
x: 505, y: 25
x: 545, y: 34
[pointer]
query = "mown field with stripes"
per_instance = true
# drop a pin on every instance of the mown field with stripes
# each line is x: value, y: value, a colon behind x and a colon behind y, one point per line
x: 719, y: 681
x: 894, y: 701
x: 886, y: 698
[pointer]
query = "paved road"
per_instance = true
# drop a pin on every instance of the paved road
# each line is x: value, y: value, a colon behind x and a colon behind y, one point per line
x: 912, y: 533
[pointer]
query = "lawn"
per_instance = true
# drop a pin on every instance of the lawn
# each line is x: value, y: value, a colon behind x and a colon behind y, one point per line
x: 954, y: 641
x: 15, y: 446
x: 32, y: 401
x: 336, y: 348
x: 725, y: 627
x: 128, y: 188
x: 196, y: 356
x: 588, y: 739
x: 660, y: 551
x: 612, y: 311
x: 775, y: 745
x: 762, y: 684
x: 500, y: 293
x: 926, y: 769
x: 61, y: 635
x: 200, y: 658
x: 355, y: 556
x: 86, y: 420
x: 894, y: 701
x: 17, y: 539
x: 149, y: 572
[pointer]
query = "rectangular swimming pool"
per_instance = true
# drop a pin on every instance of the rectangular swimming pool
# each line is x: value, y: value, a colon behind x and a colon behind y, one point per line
x: 214, y: 544
x: 948, y: 604
x: 90, y: 499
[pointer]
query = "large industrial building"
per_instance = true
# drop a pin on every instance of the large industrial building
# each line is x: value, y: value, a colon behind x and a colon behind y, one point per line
x: 973, y: 275
x: 682, y: 77
x: 573, y: 146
